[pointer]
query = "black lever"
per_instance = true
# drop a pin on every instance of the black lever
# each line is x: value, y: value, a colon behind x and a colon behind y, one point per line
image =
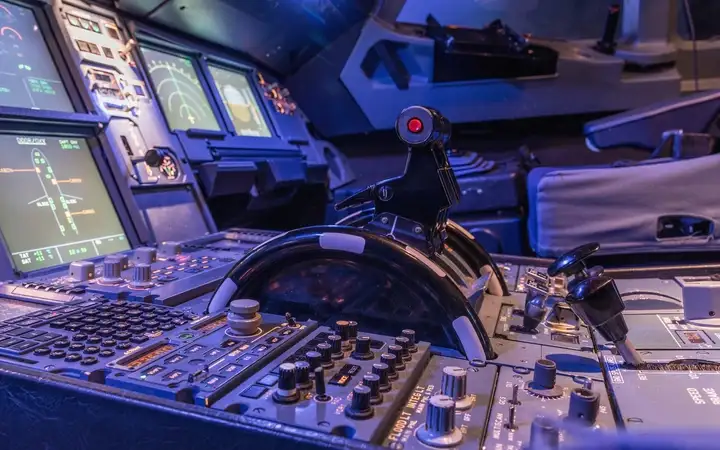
x: 597, y: 301
x: 573, y: 263
x: 607, y: 44
x: 416, y: 203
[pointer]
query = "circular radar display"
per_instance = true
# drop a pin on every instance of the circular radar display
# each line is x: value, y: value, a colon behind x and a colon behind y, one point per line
x: 178, y: 89
x: 169, y: 168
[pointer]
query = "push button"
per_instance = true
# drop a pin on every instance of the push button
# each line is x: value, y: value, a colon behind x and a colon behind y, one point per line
x: 73, y: 357
x: 254, y: 392
x: 268, y: 380
x: 23, y: 345
x: 106, y: 353
x: 42, y: 351
x: 174, y: 359
x: 154, y: 370
x: 214, y: 381
x: 88, y: 361
x: 174, y: 375
x: 57, y: 354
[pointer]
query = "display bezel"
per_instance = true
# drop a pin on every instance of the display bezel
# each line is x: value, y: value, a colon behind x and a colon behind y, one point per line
x: 7, y: 267
x: 43, y: 17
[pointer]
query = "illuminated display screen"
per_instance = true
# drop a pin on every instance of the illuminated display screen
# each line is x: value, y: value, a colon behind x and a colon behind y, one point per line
x: 55, y: 206
x: 212, y: 324
x: 28, y: 76
x: 134, y: 361
x: 178, y: 89
x: 240, y: 102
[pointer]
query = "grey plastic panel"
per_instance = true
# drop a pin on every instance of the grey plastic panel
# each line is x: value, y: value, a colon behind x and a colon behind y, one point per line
x: 665, y: 399
x: 329, y: 417
x: 501, y: 436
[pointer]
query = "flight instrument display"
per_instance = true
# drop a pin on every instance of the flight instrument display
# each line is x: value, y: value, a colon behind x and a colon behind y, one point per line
x: 240, y: 103
x: 55, y: 206
x: 28, y: 76
x: 178, y: 88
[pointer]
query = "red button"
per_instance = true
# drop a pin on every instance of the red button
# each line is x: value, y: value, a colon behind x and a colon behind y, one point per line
x: 415, y: 125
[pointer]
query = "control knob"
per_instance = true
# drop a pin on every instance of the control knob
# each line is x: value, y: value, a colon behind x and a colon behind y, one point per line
x: 544, y: 435
x: 404, y: 343
x: 396, y: 350
x: 584, y: 406
x: 112, y: 271
x: 342, y: 327
x: 439, y: 429
x: 286, y: 391
x: 302, y: 375
x: 372, y: 381
x: 352, y: 330
x: 360, y: 405
x: 390, y: 360
x: 314, y: 359
x: 410, y: 335
x: 543, y: 382
x: 145, y: 255
x: 81, y: 271
x: 325, y: 351
x: 141, y: 277
x: 336, y: 348
x: 169, y: 249
x: 454, y: 385
x: 362, y: 349
x: 381, y: 370
x: 243, y: 318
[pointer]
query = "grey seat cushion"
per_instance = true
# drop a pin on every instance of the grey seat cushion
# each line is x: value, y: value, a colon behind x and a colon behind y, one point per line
x: 620, y: 206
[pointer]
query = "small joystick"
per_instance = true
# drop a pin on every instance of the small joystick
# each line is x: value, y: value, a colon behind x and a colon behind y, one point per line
x: 574, y: 263
x: 320, y: 387
x: 154, y: 157
x: 598, y: 303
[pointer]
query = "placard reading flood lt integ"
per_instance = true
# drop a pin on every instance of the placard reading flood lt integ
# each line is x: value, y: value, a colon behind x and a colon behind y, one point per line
x: 57, y: 209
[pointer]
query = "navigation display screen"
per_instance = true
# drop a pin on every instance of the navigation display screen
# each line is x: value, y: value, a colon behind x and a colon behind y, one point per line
x: 28, y: 76
x: 55, y: 208
x: 240, y: 102
x: 178, y: 89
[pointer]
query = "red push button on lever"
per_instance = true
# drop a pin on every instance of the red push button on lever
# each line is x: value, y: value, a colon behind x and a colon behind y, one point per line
x: 415, y: 125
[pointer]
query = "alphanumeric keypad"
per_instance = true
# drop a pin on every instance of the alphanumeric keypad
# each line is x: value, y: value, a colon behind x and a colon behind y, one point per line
x: 101, y: 325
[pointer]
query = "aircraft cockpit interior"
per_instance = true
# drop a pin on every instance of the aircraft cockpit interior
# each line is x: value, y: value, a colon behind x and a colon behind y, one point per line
x: 359, y: 224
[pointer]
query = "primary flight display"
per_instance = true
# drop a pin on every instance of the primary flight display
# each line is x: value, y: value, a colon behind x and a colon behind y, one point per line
x: 28, y: 75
